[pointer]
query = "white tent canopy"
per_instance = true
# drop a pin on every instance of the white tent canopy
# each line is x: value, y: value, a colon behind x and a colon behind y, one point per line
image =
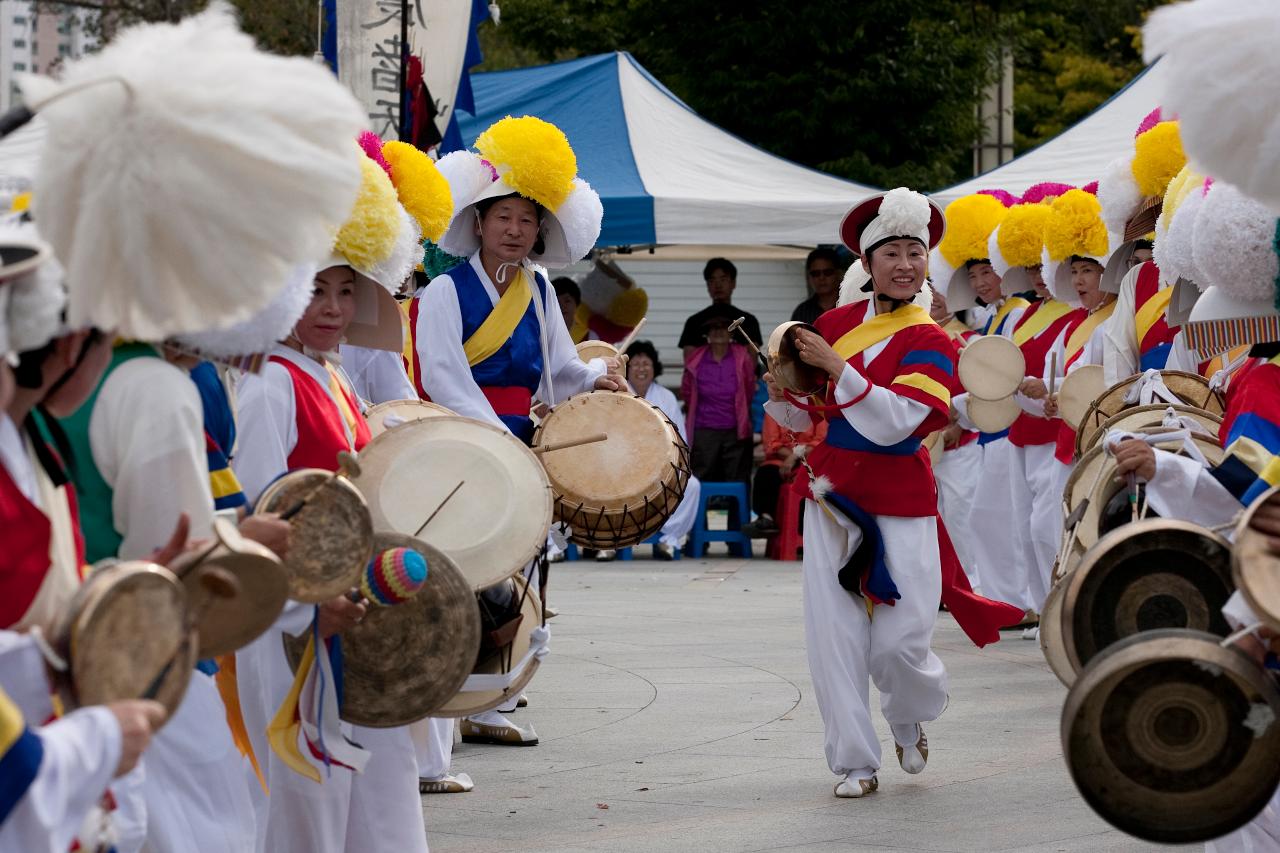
x: 1079, y: 154
x: 665, y: 174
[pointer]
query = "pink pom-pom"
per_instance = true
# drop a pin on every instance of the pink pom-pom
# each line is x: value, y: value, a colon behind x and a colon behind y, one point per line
x: 1005, y: 198
x: 1208, y: 182
x: 371, y: 143
x: 493, y: 172
x: 1091, y: 188
x: 1043, y: 190
x: 1152, y: 119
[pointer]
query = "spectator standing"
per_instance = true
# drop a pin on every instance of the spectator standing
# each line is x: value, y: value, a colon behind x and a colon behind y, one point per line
x: 721, y: 277
x: 823, y: 273
x: 569, y: 295
x: 719, y: 381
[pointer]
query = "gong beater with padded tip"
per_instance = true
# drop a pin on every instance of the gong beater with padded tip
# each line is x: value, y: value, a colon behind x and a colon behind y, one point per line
x: 1255, y: 568
x: 401, y: 663
x: 262, y: 588
x: 121, y: 631
x: 482, y: 495
x: 618, y: 492
x: 1172, y: 738
x: 500, y: 660
x: 1157, y: 573
x: 331, y: 538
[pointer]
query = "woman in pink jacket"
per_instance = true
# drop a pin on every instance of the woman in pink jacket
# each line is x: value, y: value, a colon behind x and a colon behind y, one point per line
x: 719, y: 381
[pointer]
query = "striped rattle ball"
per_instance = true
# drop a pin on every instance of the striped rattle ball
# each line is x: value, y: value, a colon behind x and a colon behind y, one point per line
x: 393, y: 576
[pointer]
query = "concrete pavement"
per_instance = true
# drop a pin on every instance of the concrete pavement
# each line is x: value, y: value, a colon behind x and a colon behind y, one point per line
x: 675, y: 713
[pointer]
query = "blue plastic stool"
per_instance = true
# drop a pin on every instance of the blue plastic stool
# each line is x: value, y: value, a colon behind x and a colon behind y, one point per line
x: 625, y: 553
x: 570, y: 551
x: 739, y: 543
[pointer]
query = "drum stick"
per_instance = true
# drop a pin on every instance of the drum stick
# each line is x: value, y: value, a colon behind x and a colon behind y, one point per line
x: 631, y: 336
x: 736, y: 326
x: 216, y: 583
x: 1053, y: 373
x: 347, y: 467
x: 572, y: 442
x: 436, y: 511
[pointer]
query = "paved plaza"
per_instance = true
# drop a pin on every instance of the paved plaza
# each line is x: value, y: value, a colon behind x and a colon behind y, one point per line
x: 676, y: 713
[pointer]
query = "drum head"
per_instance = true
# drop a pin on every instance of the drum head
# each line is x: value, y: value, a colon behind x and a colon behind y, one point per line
x: 1140, y: 417
x: 1145, y: 576
x: 125, y: 625
x: 788, y: 370
x: 618, y: 492
x: 993, y: 415
x: 331, y: 538
x: 227, y: 624
x: 1171, y: 738
x: 991, y: 367
x: 403, y: 662
x: 1255, y: 569
x: 588, y: 350
x: 494, y: 523
x: 1052, y: 644
x: 1078, y: 390
x: 400, y: 411
x: 468, y: 702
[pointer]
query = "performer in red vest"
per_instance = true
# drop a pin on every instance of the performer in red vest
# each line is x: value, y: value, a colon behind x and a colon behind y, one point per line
x: 877, y: 560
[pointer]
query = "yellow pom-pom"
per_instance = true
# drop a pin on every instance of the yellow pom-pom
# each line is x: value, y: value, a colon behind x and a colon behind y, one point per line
x: 629, y: 307
x: 534, y: 156
x: 369, y: 235
x: 423, y: 191
x: 21, y: 202
x: 970, y: 221
x: 1182, y: 185
x: 1075, y: 227
x: 1157, y: 158
x: 1021, y: 234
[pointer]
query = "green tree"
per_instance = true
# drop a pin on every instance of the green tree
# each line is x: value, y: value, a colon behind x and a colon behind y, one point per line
x: 881, y: 91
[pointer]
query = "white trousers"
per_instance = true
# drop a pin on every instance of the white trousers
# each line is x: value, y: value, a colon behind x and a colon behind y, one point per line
x: 1001, y: 503
x: 195, y: 784
x: 847, y: 649
x: 1043, y: 475
x: 957, y: 476
x: 378, y: 811
x: 433, y: 744
x: 681, y: 521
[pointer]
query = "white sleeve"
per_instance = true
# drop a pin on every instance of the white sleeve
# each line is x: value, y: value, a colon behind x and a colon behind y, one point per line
x: 881, y: 416
x: 378, y: 375
x: 1183, y: 488
x: 569, y: 374
x: 1120, y: 341
x: 960, y: 402
x: 1182, y: 357
x: 147, y: 437
x: 788, y: 416
x: 81, y: 752
x: 266, y: 428
x: 446, y: 376
x: 1035, y: 408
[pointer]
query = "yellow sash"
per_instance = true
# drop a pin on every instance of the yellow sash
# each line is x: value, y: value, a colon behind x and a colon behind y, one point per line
x: 282, y: 731
x: 1078, y: 338
x: 498, y: 327
x: 1039, y: 321
x: 337, y: 388
x: 407, y: 352
x: 1003, y: 311
x: 871, y: 332
x: 1151, y: 311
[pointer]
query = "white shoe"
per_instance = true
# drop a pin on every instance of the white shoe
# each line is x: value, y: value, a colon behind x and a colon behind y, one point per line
x: 851, y: 788
x: 449, y: 783
x: 606, y: 555
x: 913, y: 758
x: 1032, y: 633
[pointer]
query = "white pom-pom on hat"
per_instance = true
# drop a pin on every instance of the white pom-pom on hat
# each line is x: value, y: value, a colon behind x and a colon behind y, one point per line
x: 1118, y: 193
x: 1174, y: 252
x: 904, y: 211
x: 579, y: 218
x: 261, y: 331
x: 1234, y: 244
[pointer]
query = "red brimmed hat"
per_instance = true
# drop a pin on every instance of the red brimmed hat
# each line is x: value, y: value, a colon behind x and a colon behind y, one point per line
x: 900, y: 212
